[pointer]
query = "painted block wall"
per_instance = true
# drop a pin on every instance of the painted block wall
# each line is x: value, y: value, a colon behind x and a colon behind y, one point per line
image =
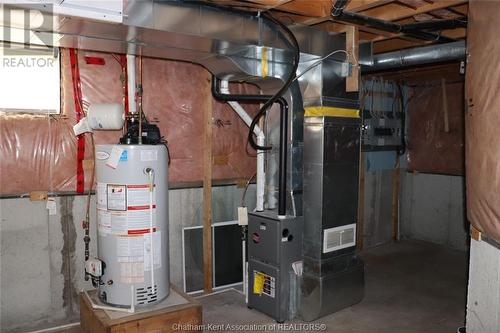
x: 433, y: 209
x: 483, y: 299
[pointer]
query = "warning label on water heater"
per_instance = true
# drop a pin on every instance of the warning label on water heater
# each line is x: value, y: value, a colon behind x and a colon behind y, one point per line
x: 116, y: 197
x: 125, y: 209
x: 134, y: 255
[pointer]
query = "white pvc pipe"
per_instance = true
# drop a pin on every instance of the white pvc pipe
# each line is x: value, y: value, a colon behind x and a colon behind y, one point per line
x: 261, y: 176
x: 131, y: 83
x: 151, y: 230
x: 56, y: 329
x: 113, y: 308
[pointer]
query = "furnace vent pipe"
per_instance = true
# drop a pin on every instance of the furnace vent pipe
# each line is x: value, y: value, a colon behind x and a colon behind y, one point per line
x: 247, y: 119
x: 417, y: 56
x: 131, y: 83
x: 283, y: 134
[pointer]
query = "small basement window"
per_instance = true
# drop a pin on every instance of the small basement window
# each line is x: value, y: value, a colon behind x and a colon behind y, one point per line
x: 30, y: 81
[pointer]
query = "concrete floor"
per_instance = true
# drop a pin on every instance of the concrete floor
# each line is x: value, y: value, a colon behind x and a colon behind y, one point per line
x: 411, y: 287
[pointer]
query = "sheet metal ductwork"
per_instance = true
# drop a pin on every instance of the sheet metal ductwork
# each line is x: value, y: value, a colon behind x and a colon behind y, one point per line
x: 424, y: 55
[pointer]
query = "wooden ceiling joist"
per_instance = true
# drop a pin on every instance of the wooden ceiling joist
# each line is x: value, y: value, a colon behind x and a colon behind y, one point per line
x: 317, y: 13
x: 399, y: 13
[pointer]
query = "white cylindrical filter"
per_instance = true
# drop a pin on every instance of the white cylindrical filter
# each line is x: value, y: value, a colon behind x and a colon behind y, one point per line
x: 106, y: 116
x: 126, y: 244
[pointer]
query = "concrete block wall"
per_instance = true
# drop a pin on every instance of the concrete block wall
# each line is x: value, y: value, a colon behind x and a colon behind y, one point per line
x: 377, y: 208
x: 483, y: 299
x: 41, y: 255
x: 433, y: 209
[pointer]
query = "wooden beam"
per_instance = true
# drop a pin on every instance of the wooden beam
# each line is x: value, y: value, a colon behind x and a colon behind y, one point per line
x: 361, y: 5
x: 268, y: 4
x: 316, y: 8
x: 457, y: 33
x: 352, y: 47
x: 331, y: 26
x: 207, y: 189
x: 393, y: 13
x: 388, y: 45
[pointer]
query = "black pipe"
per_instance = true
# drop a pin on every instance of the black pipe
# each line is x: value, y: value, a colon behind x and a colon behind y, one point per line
x: 283, y: 149
x: 235, y: 97
x: 283, y: 156
x: 339, y: 14
x: 460, y: 22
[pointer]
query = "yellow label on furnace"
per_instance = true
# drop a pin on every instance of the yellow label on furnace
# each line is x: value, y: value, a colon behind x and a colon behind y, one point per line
x: 258, y: 283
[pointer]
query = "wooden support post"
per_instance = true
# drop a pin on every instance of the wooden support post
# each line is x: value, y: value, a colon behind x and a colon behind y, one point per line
x: 352, y: 47
x: 445, y: 106
x: 395, y: 200
x: 207, y: 191
x: 361, y: 203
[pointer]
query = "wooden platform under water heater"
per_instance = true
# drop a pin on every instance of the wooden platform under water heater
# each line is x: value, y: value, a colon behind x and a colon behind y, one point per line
x: 178, y: 312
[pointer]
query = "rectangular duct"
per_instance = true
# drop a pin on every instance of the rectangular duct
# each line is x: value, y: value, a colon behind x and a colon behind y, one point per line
x: 333, y: 274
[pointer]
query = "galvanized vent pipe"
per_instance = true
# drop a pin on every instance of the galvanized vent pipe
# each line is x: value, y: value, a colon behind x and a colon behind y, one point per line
x: 417, y: 56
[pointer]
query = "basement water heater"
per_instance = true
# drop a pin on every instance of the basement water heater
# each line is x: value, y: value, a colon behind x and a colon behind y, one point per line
x: 132, y: 216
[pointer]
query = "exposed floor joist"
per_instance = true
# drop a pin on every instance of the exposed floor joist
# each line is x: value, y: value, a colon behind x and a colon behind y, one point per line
x: 317, y: 13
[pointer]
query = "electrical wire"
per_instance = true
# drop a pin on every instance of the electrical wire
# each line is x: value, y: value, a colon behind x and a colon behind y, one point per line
x: 246, y: 189
x: 348, y: 55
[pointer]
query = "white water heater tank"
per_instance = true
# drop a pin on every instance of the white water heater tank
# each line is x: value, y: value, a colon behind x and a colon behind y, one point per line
x: 132, y: 217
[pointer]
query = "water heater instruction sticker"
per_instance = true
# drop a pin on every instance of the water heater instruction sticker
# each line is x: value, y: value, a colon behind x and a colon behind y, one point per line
x: 156, y: 251
x: 119, y: 224
x: 130, y: 254
x: 130, y: 249
x: 138, y: 197
x: 102, y: 202
x: 103, y: 222
x: 131, y: 272
x: 116, y: 197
